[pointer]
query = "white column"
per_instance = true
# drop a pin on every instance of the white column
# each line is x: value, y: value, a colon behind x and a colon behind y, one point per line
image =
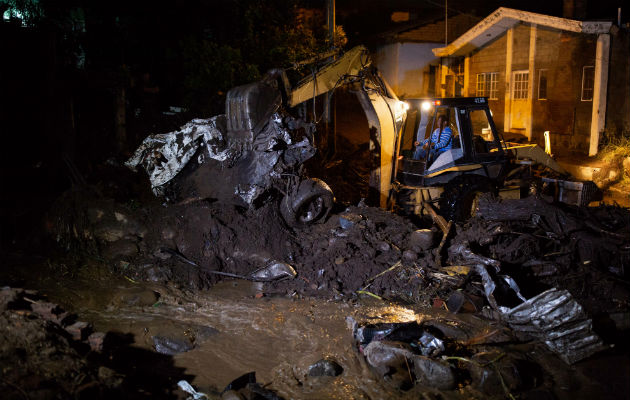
x: 598, y: 115
x: 507, y: 118
x: 530, y: 84
x: 466, y: 75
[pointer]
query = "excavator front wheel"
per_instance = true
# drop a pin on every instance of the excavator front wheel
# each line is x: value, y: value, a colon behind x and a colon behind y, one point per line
x: 309, y: 204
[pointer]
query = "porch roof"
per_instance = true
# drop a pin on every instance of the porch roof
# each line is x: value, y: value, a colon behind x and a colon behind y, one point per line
x: 505, y: 18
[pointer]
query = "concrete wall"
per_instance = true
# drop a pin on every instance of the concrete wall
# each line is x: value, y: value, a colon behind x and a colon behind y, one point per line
x: 405, y: 66
x: 563, y: 55
x: 564, y: 114
x: 490, y: 59
x: 618, y: 109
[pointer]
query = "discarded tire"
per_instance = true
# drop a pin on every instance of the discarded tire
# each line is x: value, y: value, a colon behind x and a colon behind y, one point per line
x: 459, y: 199
x: 309, y: 204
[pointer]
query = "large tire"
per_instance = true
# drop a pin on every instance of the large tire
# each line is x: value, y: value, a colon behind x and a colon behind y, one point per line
x: 309, y: 204
x: 459, y: 199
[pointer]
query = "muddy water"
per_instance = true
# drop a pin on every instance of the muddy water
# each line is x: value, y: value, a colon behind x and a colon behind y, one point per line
x: 279, y: 338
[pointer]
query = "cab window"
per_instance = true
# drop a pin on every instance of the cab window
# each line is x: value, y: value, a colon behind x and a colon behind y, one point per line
x: 483, y: 139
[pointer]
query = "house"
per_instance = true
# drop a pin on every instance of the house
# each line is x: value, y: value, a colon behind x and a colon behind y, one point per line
x: 544, y: 73
x: 405, y: 57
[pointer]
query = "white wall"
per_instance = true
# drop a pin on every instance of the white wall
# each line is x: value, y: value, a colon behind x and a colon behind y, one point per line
x: 405, y: 66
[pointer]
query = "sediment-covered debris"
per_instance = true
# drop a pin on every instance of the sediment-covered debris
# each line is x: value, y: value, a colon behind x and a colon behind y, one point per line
x: 46, y: 353
x: 500, y: 264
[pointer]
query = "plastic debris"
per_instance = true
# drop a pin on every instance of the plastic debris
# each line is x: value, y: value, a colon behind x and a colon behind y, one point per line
x: 194, y: 395
x: 325, y: 367
x: 430, y: 345
x: 274, y: 271
x: 169, y: 346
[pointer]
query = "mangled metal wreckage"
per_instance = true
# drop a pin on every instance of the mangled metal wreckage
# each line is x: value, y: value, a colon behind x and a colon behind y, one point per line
x: 255, y: 151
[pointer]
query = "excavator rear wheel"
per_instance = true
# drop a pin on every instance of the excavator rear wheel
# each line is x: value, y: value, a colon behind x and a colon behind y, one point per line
x: 461, y: 195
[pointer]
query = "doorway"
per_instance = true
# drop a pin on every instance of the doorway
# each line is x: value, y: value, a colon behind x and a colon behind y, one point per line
x: 520, y: 86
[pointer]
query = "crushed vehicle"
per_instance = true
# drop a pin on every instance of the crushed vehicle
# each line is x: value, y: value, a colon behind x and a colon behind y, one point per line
x: 477, y: 160
x: 256, y: 150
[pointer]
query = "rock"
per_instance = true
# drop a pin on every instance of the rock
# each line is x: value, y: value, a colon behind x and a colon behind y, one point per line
x: 421, y: 240
x: 386, y: 356
x: 120, y: 248
x: 135, y: 296
x: 433, y: 373
x: 168, y: 233
x: 156, y: 274
x: 626, y: 165
x: 171, y: 346
x: 7, y: 296
x: 96, y: 340
x: 109, y: 232
x: 339, y: 260
x: 409, y: 257
x: 325, y: 367
x: 383, y: 246
x: 79, y: 330
x: 347, y: 221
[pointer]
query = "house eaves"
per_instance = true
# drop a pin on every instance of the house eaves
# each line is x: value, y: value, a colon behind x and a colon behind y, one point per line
x: 505, y: 18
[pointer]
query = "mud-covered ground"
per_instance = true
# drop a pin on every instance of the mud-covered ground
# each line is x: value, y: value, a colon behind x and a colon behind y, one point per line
x: 131, y: 266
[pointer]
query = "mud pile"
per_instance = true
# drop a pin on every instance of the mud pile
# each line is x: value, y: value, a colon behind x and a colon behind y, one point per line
x: 361, y: 250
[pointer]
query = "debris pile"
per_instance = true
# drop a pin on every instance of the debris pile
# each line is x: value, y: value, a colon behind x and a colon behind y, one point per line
x: 46, y: 353
x: 40, y: 350
x: 445, y: 355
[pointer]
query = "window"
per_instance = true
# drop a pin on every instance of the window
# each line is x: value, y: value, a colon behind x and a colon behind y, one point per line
x: 588, y: 82
x: 542, y: 84
x: 521, y: 85
x: 487, y: 85
x: 483, y: 140
x: 454, y: 80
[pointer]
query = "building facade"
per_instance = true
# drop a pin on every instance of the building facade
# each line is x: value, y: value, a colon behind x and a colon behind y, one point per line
x: 542, y: 73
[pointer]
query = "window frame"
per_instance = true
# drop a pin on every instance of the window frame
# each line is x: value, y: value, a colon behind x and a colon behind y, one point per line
x: 592, y: 88
x: 540, y: 75
x: 520, y: 87
x: 489, y: 86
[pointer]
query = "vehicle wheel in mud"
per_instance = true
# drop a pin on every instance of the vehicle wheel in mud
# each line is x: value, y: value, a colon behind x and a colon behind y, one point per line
x: 309, y: 204
x: 459, y: 199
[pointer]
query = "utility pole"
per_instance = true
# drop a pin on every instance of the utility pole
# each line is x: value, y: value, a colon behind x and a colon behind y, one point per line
x: 328, y: 113
x: 330, y: 21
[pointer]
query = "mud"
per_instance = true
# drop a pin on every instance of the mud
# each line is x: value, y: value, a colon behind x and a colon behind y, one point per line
x: 142, y: 273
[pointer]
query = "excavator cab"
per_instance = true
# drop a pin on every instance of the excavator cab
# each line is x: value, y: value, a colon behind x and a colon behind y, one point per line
x: 474, y: 156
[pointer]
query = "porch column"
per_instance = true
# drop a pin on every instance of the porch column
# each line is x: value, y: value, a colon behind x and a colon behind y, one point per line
x: 530, y: 82
x: 598, y: 115
x: 507, y: 118
x: 443, y: 73
x: 466, y: 76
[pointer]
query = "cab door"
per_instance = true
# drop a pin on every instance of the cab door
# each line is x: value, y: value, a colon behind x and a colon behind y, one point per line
x: 482, y: 143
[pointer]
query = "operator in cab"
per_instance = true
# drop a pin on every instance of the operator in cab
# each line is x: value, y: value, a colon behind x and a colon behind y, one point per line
x: 439, y: 142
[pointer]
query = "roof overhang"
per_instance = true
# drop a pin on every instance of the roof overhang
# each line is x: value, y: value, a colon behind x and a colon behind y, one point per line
x: 505, y: 18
